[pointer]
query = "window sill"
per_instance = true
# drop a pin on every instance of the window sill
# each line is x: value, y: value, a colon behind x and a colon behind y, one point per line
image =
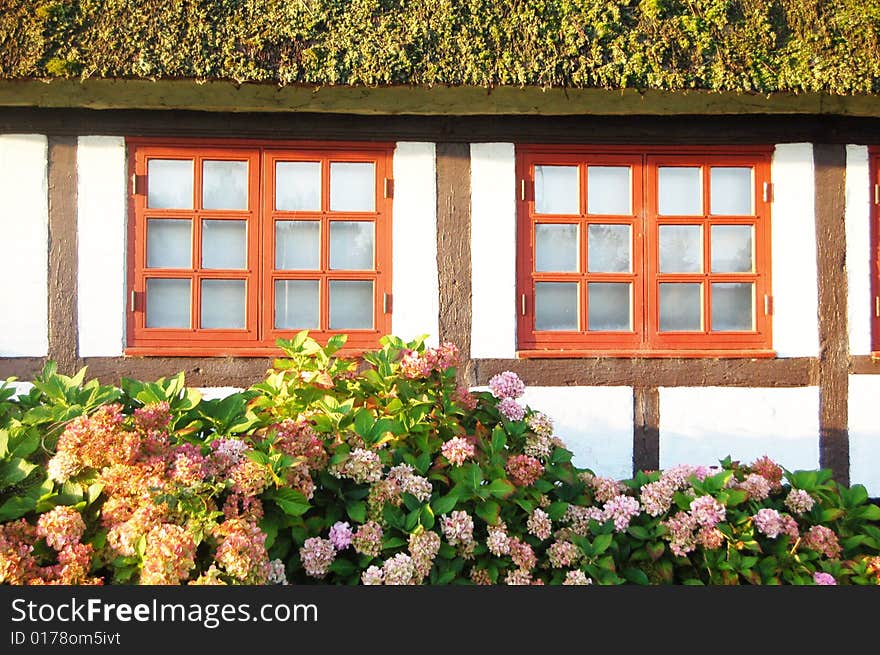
x: 647, y: 354
x: 213, y: 351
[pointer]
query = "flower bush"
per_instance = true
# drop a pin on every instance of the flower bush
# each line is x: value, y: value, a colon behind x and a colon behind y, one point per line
x: 384, y: 470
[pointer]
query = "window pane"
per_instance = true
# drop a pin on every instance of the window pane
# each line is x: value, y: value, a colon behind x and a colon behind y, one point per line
x: 297, y: 245
x: 351, y: 304
x: 224, y: 244
x: 556, y: 306
x: 351, y: 245
x: 608, y: 248
x: 680, y: 192
x: 557, y: 190
x: 608, y: 190
x: 731, y: 191
x: 732, y: 248
x: 681, y: 307
x: 169, y: 243
x: 170, y: 183
x: 224, y: 304
x: 352, y: 187
x: 556, y: 247
x: 681, y: 249
x: 609, y: 306
x: 168, y: 303
x: 732, y: 306
x: 298, y: 186
x: 224, y: 185
x: 296, y: 304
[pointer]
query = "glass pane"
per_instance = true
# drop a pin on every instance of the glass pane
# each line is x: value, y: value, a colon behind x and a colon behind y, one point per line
x: 557, y: 190
x: 169, y: 243
x: 168, y: 303
x: 297, y: 245
x: 352, y: 187
x: 608, y: 249
x: 351, y: 245
x: 556, y: 306
x: 298, y: 186
x: 224, y: 304
x: 732, y: 248
x: 351, y: 304
x: 680, y: 192
x: 608, y: 190
x: 732, y: 306
x: 681, y: 248
x: 224, y: 185
x: 609, y: 306
x: 296, y: 304
x: 681, y: 307
x: 224, y: 244
x: 731, y: 191
x: 556, y: 247
x: 170, y: 183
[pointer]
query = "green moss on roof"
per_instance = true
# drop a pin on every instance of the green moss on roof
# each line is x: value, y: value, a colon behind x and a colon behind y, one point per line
x: 827, y: 46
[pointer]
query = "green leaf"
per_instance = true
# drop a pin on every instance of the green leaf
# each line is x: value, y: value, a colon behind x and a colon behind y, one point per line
x: 693, y: 582
x: 15, y: 470
x: 16, y: 507
x: 639, y: 532
x: 871, y: 513
x: 291, y: 502
x: 500, y: 488
x: 489, y: 511
x: 636, y: 575
x: 357, y: 511
x: 342, y: 567
x: 363, y: 423
x: 736, y: 497
x: 445, y: 504
x: 858, y: 494
x: 499, y: 439
x: 557, y: 510
x: 427, y: 517
x: 601, y: 543
x: 561, y: 456
x: 831, y: 514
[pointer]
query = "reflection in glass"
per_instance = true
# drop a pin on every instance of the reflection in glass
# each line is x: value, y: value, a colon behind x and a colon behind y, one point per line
x: 556, y: 247
x: 170, y: 183
x: 297, y: 245
x: 224, y: 304
x: 352, y: 187
x: 169, y: 243
x: 731, y: 191
x: 298, y: 186
x: 680, y: 191
x: 557, y: 190
x: 168, y: 303
x: 609, y: 190
x: 296, y: 304
x: 732, y: 306
x: 224, y: 185
x: 351, y: 245
x: 351, y: 304
x: 224, y: 244
x: 681, y: 307
x: 609, y: 306
x: 681, y: 248
x: 556, y: 306
x: 608, y: 248
x: 732, y: 248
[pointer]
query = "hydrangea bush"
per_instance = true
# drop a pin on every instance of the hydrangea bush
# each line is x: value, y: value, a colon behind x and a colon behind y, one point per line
x: 383, y: 470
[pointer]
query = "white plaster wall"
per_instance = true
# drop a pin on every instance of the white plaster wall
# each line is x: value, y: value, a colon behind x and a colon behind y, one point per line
x: 795, y: 281
x: 493, y: 250
x: 21, y: 388
x: 704, y: 425
x: 210, y: 393
x: 101, y: 221
x: 24, y: 246
x: 858, y: 249
x: 415, y: 280
x: 596, y: 424
x: 864, y: 432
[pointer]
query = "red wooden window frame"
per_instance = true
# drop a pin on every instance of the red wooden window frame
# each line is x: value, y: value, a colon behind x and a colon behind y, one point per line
x: 874, y: 173
x: 259, y: 335
x: 645, y: 338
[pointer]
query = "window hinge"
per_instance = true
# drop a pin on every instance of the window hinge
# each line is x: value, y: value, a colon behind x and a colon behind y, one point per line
x: 768, y: 191
x: 133, y: 299
x: 768, y: 305
x: 877, y: 194
x: 522, y: 189
x: 522, y: 304
x: 877, y: 306
x: 389, y: 187
x: 386, y: 303
x: 138, y: 184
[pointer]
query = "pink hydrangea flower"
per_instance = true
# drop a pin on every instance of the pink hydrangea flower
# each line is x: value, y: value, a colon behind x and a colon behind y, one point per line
x: 367, y: 539
x: 522, y: 554
x: 511, y: 410
x: 563, y: 554
x: 61, y: 526
x: 757, y: 486
x: 707, y: 511
x: 340, y: 535
x: 821, y: 578
x: 457, y: 450
x: 577, y: 577
x: 506, y: 385
x: 770, y: 470
x: 605, y: 488
x: 799, y: 501
x: 498, y: 542
x: 772, y: 523
x: 621, y: 509
x: 822, y: 540
x: 317, y: 555
x: 657, y: 497
x: 524, y: 470
x: 539, y: 524
x: 458, y: 528
x: 373, y: 576
x: 399, y: 570
x: 518, y: 577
